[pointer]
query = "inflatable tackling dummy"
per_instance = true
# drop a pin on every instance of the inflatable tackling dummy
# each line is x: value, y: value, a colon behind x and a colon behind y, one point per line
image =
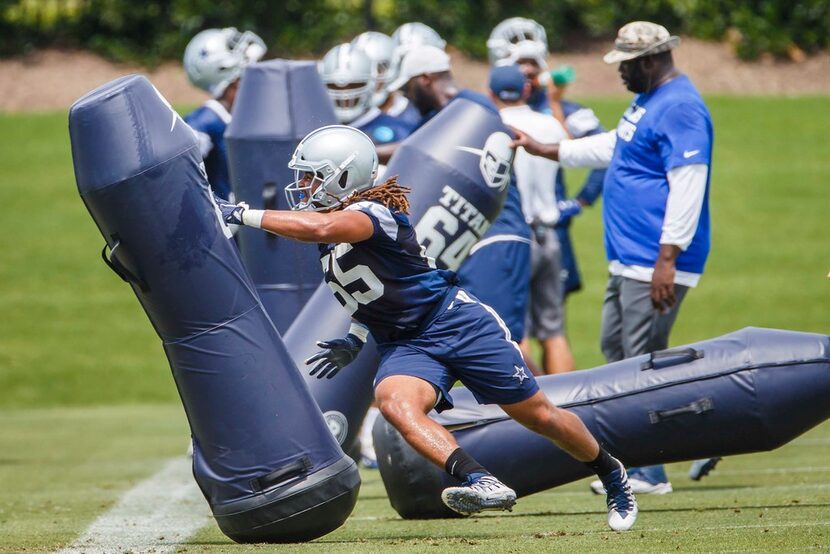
x: 263, y: 456
x: 458, y: 174
x: 278, y: 103
x: 748, y: 391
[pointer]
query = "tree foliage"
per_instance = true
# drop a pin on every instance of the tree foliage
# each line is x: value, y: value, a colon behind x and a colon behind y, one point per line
x: 153, y: 30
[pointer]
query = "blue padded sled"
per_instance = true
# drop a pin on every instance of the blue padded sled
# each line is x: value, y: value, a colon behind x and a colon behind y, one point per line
x: 451, y: 207
x: 749, y: 391
x: 263, y: 457
x: 279, y: 102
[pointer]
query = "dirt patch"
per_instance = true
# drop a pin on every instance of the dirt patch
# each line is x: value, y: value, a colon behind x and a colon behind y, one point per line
x: 52, y: 79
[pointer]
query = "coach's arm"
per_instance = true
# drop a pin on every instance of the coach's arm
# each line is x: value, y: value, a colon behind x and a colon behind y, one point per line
x: 594, y: 151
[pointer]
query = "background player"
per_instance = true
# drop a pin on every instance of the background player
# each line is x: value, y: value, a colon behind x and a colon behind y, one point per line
x: 214, y: 60
x: 509, y: 90
x: 350, y: 78
x: 524, y: 42
x: 429, y: 332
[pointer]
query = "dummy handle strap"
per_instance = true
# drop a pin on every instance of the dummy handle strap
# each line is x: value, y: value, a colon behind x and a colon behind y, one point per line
x: 119, y: 267
x: 282, y: 475
x: 695, y: 408
x: 668, y: 358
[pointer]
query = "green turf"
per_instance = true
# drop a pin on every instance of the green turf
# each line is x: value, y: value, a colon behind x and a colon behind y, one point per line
x: 61, y: 467
x: 87, y: 405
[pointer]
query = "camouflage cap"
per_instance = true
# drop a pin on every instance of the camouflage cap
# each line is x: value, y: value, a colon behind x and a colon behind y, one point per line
x: 640, y: 38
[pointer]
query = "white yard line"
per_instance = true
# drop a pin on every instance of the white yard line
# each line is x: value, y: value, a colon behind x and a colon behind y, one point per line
x: 155, y: 516
x: 772, y: 470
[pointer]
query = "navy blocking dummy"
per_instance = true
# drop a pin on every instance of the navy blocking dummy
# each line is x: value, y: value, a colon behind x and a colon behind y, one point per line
x: 749, y: 391
x: 279, y: 102
x: 263, y: 456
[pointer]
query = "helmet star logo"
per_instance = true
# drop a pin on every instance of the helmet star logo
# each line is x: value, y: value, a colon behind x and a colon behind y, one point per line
x: 520, y: 374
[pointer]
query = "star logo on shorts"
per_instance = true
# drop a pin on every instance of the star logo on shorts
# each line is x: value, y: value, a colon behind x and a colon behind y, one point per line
x: 520, y: 374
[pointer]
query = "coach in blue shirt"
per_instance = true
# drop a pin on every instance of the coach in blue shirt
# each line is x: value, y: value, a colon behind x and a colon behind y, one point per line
x: 656, y: 207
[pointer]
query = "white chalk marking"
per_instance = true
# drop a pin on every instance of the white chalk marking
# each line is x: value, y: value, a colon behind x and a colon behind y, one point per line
x: 155, y: 516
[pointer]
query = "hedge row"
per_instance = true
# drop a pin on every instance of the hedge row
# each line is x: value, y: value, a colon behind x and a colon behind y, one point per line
x: 152, y: 30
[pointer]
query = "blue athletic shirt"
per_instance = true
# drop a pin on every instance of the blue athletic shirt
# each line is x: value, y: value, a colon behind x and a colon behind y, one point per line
x: 210, y: 121
x: 383, y: 128
x: 663, y: 129
x: 385, y: 282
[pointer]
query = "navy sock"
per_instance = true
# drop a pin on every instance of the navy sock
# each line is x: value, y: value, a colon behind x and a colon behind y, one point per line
x: 604, y: 463
x: 461, y: 466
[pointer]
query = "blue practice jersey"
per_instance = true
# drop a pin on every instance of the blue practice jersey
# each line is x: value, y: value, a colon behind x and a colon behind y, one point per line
x: 385, y: 282
x: 210, y: 121
x: 383, y: 128
x: 405, y: 111
x: 663, y: 129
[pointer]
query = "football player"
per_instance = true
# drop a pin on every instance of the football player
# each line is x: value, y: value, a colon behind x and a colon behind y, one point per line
x: 429, y: 331
x: 522, y: 41
x: 214, y: 60
x: 350, y: 77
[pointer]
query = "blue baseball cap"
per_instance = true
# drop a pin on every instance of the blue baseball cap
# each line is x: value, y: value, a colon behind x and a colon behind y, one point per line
x: 507, y: 82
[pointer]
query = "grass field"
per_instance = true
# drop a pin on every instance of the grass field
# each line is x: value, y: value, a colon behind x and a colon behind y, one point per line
x: 88, y: 408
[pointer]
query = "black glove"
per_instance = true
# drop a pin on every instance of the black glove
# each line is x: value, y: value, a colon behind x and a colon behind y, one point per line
x: 337, y: 354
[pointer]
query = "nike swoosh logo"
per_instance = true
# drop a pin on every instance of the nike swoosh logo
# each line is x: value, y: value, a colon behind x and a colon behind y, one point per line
x: 689, y: 153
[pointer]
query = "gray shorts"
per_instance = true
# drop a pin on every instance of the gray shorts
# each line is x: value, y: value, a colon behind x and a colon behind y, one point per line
x: 545, y: 312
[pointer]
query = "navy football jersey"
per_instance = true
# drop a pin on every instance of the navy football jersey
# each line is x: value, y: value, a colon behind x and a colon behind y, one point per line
x: 210, y: 121
x: 405, y: 111
x: 385, y: 282
x: 383, y: 128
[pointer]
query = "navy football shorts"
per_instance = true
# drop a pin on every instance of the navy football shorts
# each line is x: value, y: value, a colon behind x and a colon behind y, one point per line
x: 497, y: 272
x: 465, y: 341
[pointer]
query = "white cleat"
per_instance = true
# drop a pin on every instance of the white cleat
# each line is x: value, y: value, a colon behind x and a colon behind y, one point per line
x: 622, y: 505
x: 485, y: 493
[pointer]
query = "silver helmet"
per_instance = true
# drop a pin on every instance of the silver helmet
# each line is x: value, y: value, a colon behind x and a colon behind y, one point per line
x: 517, y: 38
x: 330, y: 164
x: 381, y: 50
x: 215, y: 58
x: 347, y: 73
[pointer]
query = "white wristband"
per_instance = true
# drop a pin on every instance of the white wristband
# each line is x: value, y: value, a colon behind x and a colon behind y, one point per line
x: 253, y: 218
x: 359, y: 330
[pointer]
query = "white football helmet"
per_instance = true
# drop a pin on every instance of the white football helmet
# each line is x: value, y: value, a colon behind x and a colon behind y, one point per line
x: 408, y: 36
x: 330, y: 164
x: 347, y: 73
x: 381, y: 50
x: 215, y: 58
x: 517, y: 38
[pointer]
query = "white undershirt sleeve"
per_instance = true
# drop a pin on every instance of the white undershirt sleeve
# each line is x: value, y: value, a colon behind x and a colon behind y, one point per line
x: 594, y: 151
x: 687, y: 186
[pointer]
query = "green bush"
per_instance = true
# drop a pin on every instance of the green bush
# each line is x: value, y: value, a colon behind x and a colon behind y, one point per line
x: 154, y: 30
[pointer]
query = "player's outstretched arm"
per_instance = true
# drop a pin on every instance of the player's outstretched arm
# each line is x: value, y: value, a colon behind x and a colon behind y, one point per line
x: 332, y: 227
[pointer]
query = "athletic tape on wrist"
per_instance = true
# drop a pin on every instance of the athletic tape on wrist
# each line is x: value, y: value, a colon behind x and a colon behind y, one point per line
x: 253, y: 218
x: 359, y: 330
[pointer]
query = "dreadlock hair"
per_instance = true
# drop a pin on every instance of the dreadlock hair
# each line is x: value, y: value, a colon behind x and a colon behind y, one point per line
x: 390, y: 194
